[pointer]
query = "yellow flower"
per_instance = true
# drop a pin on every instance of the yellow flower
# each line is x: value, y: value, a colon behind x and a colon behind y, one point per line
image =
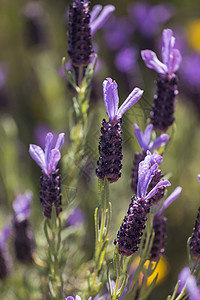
x: 193, y: 34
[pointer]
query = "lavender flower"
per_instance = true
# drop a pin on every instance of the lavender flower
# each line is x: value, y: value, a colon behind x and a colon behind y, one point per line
x: 99, y: 16
x: 24, y: 243
x: 76, y: 298
x: 50, y: 190
x: 163, y: 108
x: 126, y: 58
x: 76, y: 218
x: 5, y: 258
x: 110, y: 145
x: 145, y: 144
x: 131, y: 230
x: 159, y: 227
x: 185, y: 277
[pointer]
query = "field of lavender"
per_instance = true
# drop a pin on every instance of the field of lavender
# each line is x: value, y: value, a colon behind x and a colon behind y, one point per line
x: 100, y: 150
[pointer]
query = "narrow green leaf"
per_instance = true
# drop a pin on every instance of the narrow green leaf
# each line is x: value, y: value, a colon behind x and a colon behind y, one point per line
x: 116, y: 262
x: 120, y: 291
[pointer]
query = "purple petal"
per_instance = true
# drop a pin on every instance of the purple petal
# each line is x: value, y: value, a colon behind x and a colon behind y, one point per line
x: 48, y: 144
x: 175, y: 61
x: 38, y: 155
x: 111, y: 98
x: 192, y: 288
x: 94, y: 12
x: 198, y: 177
x: 21, y: 206
x: 174, y: 195
x: 69, y: 298
x: 155, y: 189
x: 53, y: 161
x: 60, y: 141
x: 159, y: 142
x: 133, y: 98
x: 151, y: 61
x: 168, y: 45
x: 101, y: 19
x: 4, y: 235
x: 148, y: 132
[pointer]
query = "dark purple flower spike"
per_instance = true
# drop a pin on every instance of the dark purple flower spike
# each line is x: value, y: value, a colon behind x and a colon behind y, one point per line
x: 145, y: 144
x: 131, y: 230
x: 24, y: 242
x: 159, y: 227
x: 110, y: 146
x: 163, y: 109
x: 5, y: 258
x: 50, y: 187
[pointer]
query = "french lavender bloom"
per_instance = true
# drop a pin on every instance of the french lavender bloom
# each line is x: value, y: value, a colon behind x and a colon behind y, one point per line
x: 159, y: 227
x: 76, y: 298
x: 162, y: 114
x: 5, y: 258
x: 82, y: 26
x: 24, y: 242
x: 131, y: 230
x: 145, y: 144
x: 110, y: 146
x: 76, y: 218
x: 50, y: 186
x: 193, y: 289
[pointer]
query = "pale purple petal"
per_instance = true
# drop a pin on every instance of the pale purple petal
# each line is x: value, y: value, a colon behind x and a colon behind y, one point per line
x: 21, y: 206
x: 174, y: 195
x: 175, y: 61
x: 159, y: 142
x: 69, y: 298
x: 4, y: 235
x: 53, y: 160
x: 77, y: 297
x: 198, y: 177
x: 111, y: 98
x: 148, y: 132
x: 48, y: 144
x: 155, y: 189
x: 168, y: 45
x: 95, y: 11
x: 133, y: 98
x: 140, y: 138
x: 101, y: 19
x: 60, y: 141
x: 38, y: 155
x: 185, y: 277
x: 151, y: 61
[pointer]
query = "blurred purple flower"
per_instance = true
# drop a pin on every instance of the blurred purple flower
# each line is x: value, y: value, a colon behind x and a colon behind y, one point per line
x: 126, y: 58
x: 3, y: 74
x: 4, y: 235
x: 144, y: 139
x: 149, y: 19
x: 117, y: 33
x: 21, y: 206
x: 190, y: 71
x: 76, y: 218
x: 193, y: 289
x: 47, y: 159
x: 171, y: 57
x: 111, y: 100
x: 99, y: 16
x: 146, y: 171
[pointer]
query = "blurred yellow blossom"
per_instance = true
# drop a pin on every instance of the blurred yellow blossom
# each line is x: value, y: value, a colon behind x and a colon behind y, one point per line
x: 193, y: 33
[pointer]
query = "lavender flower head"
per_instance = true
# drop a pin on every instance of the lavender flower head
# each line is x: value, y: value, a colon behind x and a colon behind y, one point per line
x: 171, y: 57
x: 47, y: 159
x: 131, y: 230
x: 162, y: 114
x: 185, y: 277
x: 5, y: 258
x: 22, y: 205
x: 110, y: 145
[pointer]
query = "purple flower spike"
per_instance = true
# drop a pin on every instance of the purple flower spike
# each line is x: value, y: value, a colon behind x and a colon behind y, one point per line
x: 49, y: 158
x: 144, y: 139
x: 174, y: 195
x: 171, y: 57
x: 185, y: 277
x: 21, y: 206
x: 99, y: 16
x: 111, y: 100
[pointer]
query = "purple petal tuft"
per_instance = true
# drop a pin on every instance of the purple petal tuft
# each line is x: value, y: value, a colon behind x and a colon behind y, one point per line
x: 99, y: 21
x: 155, y: 189
x: 152, y: 62
x: 111, y: 98
x: 133, y: 98
x: 37, y: 155
x: 174, y: 195
x: 159, y: 142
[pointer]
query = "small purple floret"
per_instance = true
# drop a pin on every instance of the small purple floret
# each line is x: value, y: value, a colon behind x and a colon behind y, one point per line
x: 111, y: 100
x: 171, y: 57
x: 47, y: 159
